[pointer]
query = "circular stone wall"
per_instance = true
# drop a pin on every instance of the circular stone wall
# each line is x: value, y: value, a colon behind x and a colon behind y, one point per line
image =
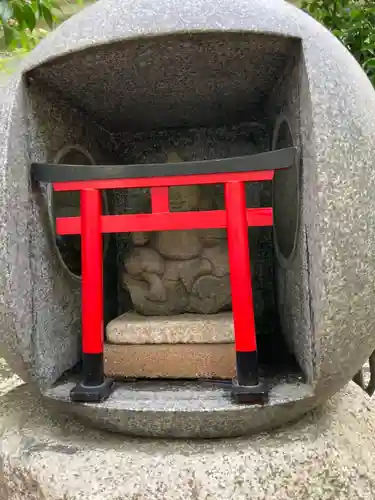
x: 327, y: 277
x: 286, y: 196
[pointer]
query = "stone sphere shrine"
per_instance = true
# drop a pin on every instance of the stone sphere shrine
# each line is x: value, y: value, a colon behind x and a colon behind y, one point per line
x: 187, y: 217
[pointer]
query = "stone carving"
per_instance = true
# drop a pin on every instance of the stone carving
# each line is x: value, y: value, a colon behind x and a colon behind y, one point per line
x: 172, y: 272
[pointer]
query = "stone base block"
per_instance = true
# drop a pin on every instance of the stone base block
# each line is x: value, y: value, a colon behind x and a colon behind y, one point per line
x: 173, y: 361
x: 132, y: 328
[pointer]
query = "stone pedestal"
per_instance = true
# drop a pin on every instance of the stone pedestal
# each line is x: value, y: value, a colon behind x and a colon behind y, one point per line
x: 186, y: 346
x: 328, y: 455
x: 170, y: 361
x: 132, y: 328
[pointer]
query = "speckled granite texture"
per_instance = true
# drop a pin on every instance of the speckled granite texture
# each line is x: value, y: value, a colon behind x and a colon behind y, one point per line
x: 328, y: 455
x: 184, y: 409
x: 325, y: 291
x: 292, y: 101
x: 170, y: 361
x: 40, y: 326
x: 132, y: 328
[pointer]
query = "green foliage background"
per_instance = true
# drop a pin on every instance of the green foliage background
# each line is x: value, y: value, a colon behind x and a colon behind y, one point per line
x: 19, y: 20
x: 23, y: 23
x: 353, y: 22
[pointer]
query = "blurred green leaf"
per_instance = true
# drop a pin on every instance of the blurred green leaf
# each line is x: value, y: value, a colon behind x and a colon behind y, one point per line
x: 18, y: 13
x: 22, y: 22
x: 29, y: 16
x: 56, y: 5
x: 47, y: 15
x: 10, y: 34
x: 370, y: 63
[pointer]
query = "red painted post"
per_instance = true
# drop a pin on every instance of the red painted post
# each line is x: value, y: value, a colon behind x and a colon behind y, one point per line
x: 92, y: 272
x: 240, y: 275
x: 93, y: 387
x: 159, y: 200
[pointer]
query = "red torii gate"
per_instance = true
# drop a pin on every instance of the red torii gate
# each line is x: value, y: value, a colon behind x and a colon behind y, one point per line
x: 90, y: 180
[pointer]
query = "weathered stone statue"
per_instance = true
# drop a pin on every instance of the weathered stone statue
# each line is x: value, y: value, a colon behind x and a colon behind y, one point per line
x: 172, y: 272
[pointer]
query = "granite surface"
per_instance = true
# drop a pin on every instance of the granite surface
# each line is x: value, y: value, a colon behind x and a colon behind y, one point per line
x: 294, y: 285
x: 207, y: 77
x: 45, y: 455
x: 132, y: 328
x: 170, y: 361
x: 40, y: 306
x: 325, y: 289
x: 188, y: 409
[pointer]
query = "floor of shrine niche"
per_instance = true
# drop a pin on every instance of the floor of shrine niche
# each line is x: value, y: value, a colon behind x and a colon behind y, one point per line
x: 186, y: 408
x: 283, y: 388
x: 155, y: 398
x: 278, y: 370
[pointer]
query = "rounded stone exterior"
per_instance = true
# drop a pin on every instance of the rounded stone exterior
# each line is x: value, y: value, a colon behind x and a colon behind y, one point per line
x: 326, y: 297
